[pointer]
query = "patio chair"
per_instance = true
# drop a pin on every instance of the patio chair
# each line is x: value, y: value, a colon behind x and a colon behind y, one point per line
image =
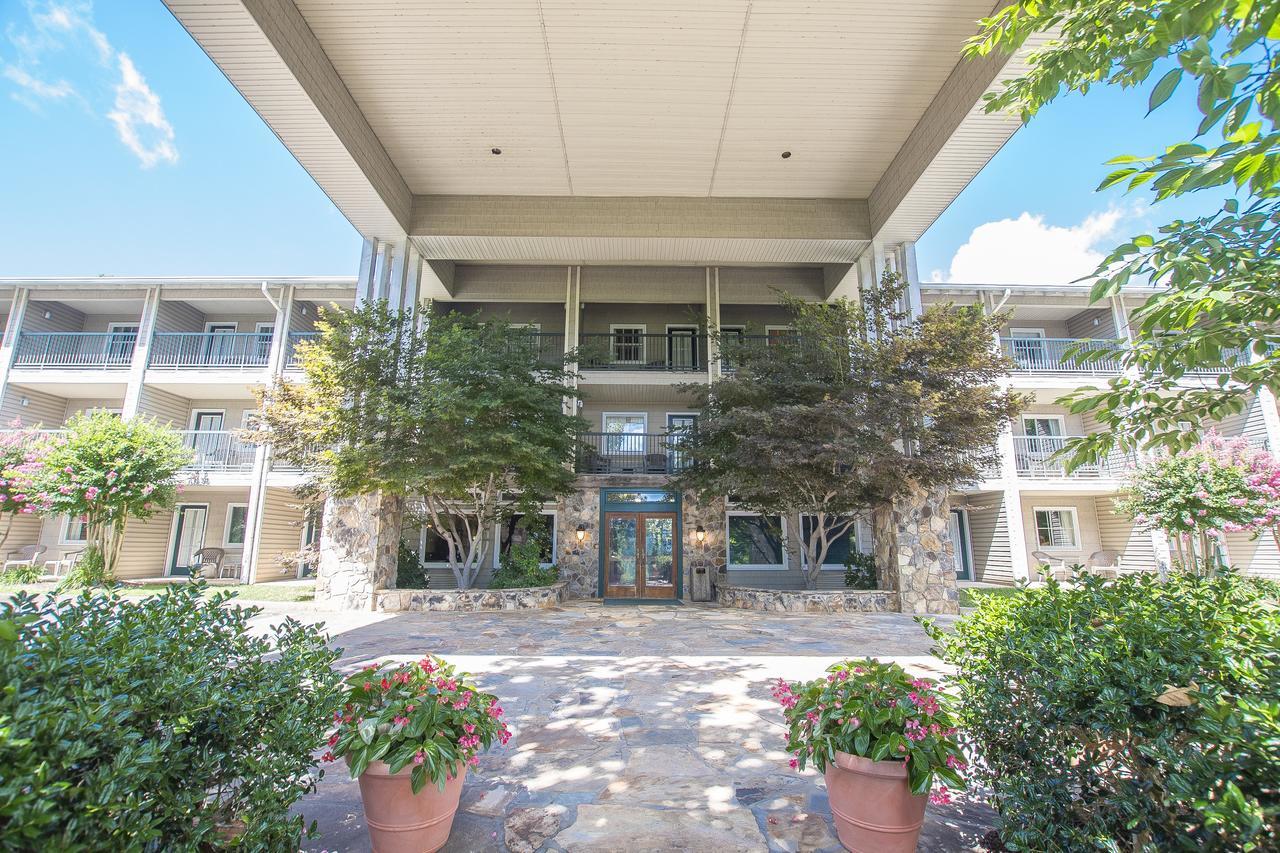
x: 62, y: 567
x: 1104, y: 563
x: 24, y: 556
x: 207, y: 563
x: 1057, y: 565
x: 655, y: 463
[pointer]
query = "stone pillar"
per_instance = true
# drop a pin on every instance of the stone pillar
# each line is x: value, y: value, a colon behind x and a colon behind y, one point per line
x: 915, y: 554
x: 704, y: 562
x: 579, y: 561
x: 358, y: 549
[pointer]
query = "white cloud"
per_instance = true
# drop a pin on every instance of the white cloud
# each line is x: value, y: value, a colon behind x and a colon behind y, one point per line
x: 39, y: 88
x: 137, y: 113
x: 67, y: 27
x: 1026, y: 250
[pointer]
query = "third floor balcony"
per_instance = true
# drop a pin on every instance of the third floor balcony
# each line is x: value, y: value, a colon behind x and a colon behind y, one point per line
x: 1059, y: 355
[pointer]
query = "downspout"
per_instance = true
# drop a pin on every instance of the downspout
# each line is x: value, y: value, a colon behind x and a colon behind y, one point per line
x: 1003, y: 299
x: 275, y: 303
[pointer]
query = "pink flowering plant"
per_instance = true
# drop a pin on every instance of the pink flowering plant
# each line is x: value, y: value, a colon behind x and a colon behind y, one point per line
x: 422, y: 715
x: 107, y: 470
x: 1199, y: 495
x: 878, y: 711
x: 20, y: 451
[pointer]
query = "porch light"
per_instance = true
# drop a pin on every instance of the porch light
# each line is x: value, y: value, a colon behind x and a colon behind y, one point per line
x: 581, y: 533
x: 700, y: 534
x: 495, y: 151
x: 786, y: 155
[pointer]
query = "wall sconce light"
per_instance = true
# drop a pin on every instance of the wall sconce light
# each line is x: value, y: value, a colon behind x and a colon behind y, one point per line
x: 48, y: 315
x: 24, y: 402
x: 581, y: 533
x: 700, y: 534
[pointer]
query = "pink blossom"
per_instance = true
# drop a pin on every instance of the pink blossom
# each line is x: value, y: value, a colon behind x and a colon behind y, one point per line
x: 940, y: 797
x: 419, y: 757
x: 794, y: 763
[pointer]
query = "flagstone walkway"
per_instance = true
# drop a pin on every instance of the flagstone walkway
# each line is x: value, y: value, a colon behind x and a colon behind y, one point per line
x: 636, y: 728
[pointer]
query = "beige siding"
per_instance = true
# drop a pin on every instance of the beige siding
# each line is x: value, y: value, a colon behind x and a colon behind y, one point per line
x: 1089, y: 540
x: 1254, y: 556
x: 753, y: 317
x: 989, y: 539
x: 145, y: 551
x: 1255, y: 425
x: 655, y: 284
x: 485, y: 282
x: 282, y: 517
x: 178, y: 317
x: 1117, y: 533
x: 103, y: 322
x: 28, y: 530
x: 593, y: 412
x: 165, y: 407
x: 75, y: 407
x: 1094, y: 323
x: 597, y: 318
x: 244, y: 322
x: 303, y: 316
x: 62, y: 318
x: 41, y: 409
x: 756, y: 285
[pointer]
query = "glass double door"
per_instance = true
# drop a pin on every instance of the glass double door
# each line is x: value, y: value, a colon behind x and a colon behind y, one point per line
x: 640, y: 557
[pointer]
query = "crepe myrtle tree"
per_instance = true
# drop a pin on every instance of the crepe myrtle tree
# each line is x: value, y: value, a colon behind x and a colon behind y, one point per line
x: 1218, y: 306
x: 109, y: 471
x: 19, y: 450
x: 856, y: 406
x: 466, y: 418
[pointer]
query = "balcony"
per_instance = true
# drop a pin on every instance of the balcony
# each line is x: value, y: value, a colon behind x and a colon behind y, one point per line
x: 295, y: 338
x: 217, y: 451
x: 673, y: 352
x: 210, y: 350
x: 74, y: 350
x: 1035, y: 459
x: 630, y: 453
x: 1059, y: 355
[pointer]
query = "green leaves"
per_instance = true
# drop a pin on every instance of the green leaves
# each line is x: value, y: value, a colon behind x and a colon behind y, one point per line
x: 1164, y: 89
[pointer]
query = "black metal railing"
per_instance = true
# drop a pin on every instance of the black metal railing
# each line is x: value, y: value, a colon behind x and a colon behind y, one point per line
x: 679, y: 352
x: 630, y: 453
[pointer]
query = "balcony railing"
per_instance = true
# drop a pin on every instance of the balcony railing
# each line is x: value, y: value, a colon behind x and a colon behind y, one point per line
x: 211, y: 350
x: 630, y: 453
x: 1059, y: 355
x: 676, y: 352
x: 1035, y: 459
x: 75, y: 350
x: 217, y: 450
x: 295, y: 338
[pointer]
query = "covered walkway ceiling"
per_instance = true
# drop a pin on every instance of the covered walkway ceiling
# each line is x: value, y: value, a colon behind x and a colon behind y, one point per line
x: 721, y: 130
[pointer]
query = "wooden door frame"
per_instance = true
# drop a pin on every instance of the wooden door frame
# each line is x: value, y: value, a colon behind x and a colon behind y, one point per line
x: 641, y: 587
x: 672, y: 506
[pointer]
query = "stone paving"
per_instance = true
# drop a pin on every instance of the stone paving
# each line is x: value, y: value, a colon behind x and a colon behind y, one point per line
x: 636, y: 728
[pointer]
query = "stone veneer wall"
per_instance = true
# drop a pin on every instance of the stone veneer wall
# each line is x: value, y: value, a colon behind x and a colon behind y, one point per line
x: 915, y: 554
x: 579, y: 563
x: 807, y: 601
x: 471, y: 600
x: 705, y: 563
x: 358, y: 547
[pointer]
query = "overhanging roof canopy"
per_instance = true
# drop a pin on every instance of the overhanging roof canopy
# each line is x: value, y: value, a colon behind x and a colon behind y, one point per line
x: 722, y: 130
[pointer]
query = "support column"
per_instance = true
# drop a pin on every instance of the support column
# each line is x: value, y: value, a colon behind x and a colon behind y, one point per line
x: 358, y: 549
x: 1011, y: 492
x: 405, y: 275
x: 365, y: 271
x: 906, y: 263
x: 712, y: 310
x: 914, y: 551
x: 141, y: 354
x: 9, y: 339
x: 1270, y: 415
x: 263, y: 454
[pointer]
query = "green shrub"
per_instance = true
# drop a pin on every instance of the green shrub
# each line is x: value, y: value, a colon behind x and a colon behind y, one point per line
x: 87, y: 571
x: 20, y: 574
x: 410, y: 573
x: 521, y: 565
x: 145, y: 724
x: 860, y: 571
x: 1127, y: 715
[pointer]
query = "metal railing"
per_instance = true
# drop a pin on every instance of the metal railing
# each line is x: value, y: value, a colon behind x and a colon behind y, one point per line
x: 75, y: 350
x: 1035, y: 458
x: 213, y: 350
x: 679, y: 352
x: 1059, y: 355
x: 630, y: 453
x: 733, y: 348
x: 295, y: 338
x: 217, y: 450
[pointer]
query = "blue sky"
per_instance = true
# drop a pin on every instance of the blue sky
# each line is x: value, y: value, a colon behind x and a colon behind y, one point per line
x: 123, y: 150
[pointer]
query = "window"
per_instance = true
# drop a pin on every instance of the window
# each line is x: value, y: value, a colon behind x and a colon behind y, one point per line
x: 433, y: 549
x: 755, y: 541
x: 121, y: 339
x: 236, y: 516
x: 1028, y: 347
x: 75, y: 530
x: 1042, y: 426
x: 519, y: 528
x: 625, y: 431
x: 262, y: 343
x: 628, y: 344
x: 1056, y: 527
x: 838, y: 551
x: 311, y: 526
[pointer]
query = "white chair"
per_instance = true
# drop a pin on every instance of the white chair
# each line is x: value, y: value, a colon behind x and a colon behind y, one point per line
x: 1057, y: 565
x: 1104, y: 563
x: 24, y: 556
x: 61, y: 567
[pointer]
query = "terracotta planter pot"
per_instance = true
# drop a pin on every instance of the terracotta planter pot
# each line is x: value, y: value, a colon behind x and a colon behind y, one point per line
x: 874, y: 810
x: 401, y: 821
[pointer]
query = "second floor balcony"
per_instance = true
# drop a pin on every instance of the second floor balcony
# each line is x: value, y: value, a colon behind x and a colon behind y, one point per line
x: 210, y: 350
x: 75, y: 350
x: 215, y: 451
x: 1036, y: 457
x: 672, y: 352
x: 630, y: 453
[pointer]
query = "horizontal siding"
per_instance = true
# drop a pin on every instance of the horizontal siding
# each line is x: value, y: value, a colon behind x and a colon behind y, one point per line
x: 165, y: 407
x: 62, y: 318
x: 41, y: 410
x: 145, y: 547
x: 303, y: 316
x: 783, y: 579
x: 1117, y: 533
x: 29, y: 530
x: 989, y: 540
x: 1254, y: 556
x: 281, y: 534
x: 1082, y: 325
x: 1255, y: 424
x: 174, y: 316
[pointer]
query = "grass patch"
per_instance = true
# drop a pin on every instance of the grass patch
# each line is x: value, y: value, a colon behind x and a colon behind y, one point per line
x: 969, y: 595
x: 280, y: 591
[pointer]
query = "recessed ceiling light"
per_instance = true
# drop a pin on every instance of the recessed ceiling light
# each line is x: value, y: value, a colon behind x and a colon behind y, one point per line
x: 786, y: 155
x: 495, y: 150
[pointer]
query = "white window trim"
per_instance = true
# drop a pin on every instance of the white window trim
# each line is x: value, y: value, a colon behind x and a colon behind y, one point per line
x: 226, y: 526
x: 1027, y: 332
x: 422, y: 546
x: 1075, y: 528
x: 754, y: 567
x: 614, y: 328
x: 604, y: 417
x: 196, y: 413
x: 555, y: 534
x: 968, y: 539
x: 63, y: 535
x: 123, y: 327
x: 666, y: 416
x: 209, y: 328
x: 302, y: 535
x: 826, y: 567
x: 1035, y: 416
x: 173, y: 532
x: 770, y: 328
